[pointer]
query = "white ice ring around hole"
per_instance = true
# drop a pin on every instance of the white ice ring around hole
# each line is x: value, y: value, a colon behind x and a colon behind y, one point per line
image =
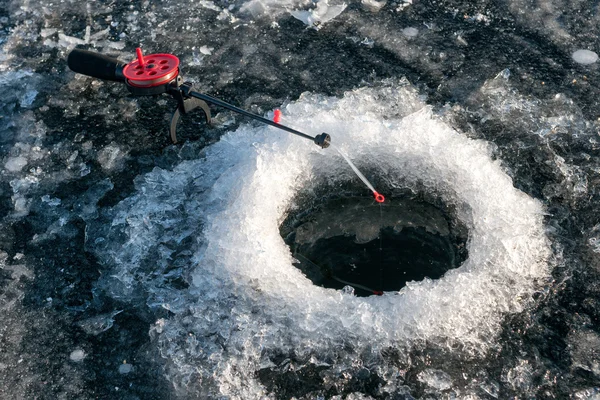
x: 258, y: 172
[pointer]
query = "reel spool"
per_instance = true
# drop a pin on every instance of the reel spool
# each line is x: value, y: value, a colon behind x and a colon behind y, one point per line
x: 151, y: 71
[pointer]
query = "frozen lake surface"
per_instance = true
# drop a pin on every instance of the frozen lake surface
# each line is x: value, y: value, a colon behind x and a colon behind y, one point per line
x: 237, y: 264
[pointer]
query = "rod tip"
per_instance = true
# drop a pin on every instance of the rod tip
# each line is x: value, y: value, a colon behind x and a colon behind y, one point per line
x: 323, y: 140
x: 379, y: 197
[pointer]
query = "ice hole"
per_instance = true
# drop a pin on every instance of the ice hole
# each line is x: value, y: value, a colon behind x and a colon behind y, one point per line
x: 354, y: 241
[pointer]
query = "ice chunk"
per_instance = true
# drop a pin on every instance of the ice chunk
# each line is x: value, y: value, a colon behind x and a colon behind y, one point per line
x: 403, y: 4
x: 323, y: 13
x: 86, y: 205
x: 51, y: 201
x: 15, y: 164
x: 410, y: 32
x: 99, y: 323
x: 69, y: 41
x: 97, y: 39
x: 585, y: 351
x: 209, y: 5
x: 584, y: 57
x: 259, y: 8
x: 112, y: 158
x: 125, y: 368
x: 21, y: 205
x: 436, y: 379
x: 592, y: 393
x: 492, y: 388
x: 28, y: 98
x: 77, y: 355
x: 374, y: 5
x: 206, y: 50
x: 520, y: 376
x: 45, y: 32
x: 254, y: 7
x: 348, y: 290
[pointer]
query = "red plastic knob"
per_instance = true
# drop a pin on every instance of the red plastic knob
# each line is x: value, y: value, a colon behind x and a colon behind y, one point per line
x: 378, y: 197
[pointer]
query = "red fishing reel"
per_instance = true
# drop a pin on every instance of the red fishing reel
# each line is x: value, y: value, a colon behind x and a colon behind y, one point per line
x: 151, y: 74
x: 150, y: 71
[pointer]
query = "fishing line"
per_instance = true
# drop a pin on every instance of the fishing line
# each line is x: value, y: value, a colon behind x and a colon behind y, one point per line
x: 381, y: 247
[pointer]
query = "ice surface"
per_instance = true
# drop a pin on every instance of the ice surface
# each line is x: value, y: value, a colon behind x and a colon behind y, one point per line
x: 244, y: 290
x: 155, y: 234
x: 585, y: 57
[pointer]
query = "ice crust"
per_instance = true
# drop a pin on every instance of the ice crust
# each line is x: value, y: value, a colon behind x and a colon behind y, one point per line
x: 214, y: 223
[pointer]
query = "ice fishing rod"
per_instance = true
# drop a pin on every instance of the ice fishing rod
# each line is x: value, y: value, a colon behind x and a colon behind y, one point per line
x: 156, y: 74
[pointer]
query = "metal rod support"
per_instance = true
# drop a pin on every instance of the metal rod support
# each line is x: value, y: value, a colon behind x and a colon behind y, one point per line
x: 221, y: 103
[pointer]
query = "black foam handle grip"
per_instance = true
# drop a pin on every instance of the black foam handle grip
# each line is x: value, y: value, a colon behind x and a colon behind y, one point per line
x: 96, y: 65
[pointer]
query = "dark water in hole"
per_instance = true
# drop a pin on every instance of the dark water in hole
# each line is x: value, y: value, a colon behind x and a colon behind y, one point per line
x: 374, y: 248
x: 383, y: 264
